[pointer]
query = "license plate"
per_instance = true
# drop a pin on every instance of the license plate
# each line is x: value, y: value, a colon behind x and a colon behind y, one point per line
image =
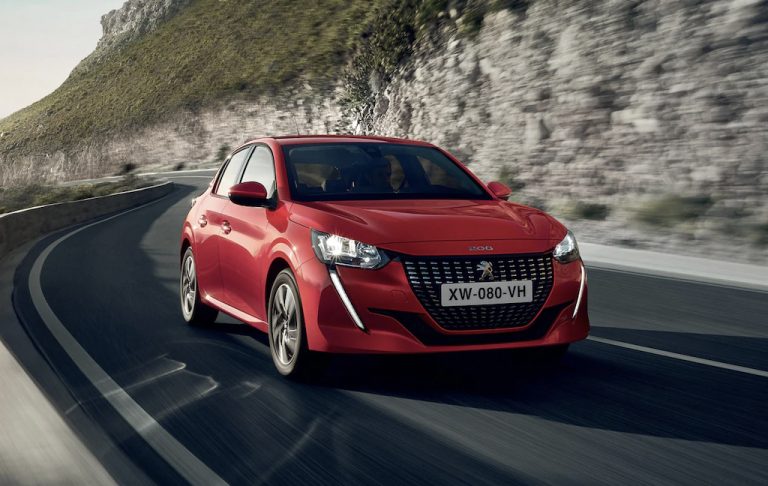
x: 486, y: 293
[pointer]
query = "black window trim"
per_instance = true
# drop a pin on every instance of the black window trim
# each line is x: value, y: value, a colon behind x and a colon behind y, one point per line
x: 214, y: 191
x: 290, y: 173
x: 271, y: 154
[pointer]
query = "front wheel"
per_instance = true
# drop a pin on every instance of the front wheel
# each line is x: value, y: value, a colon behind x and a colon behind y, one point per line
x: 287, y: 338
x: 192, y: 308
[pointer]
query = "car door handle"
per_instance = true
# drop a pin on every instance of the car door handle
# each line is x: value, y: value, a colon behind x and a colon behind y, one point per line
x: 202, y: 221
x: 226, y: 227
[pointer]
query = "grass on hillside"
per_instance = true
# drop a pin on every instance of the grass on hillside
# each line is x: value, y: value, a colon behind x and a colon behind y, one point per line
x: 214, y: 51
x: 211, y: 51
x: 15, y: 198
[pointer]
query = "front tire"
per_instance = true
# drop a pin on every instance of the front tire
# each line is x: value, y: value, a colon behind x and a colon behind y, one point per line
x: 287, y: 334
x: 195, y: 312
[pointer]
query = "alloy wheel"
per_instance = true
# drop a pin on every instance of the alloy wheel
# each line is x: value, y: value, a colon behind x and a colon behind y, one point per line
x: 188, y: 286
x: 285, y: 324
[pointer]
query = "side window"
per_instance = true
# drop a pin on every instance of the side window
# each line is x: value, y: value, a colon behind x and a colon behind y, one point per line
x: 231, y: 171
x: 261, y: 168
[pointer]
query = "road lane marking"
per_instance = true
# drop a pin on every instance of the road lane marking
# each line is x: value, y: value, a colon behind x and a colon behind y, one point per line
x: 171, y: 450
x: 681, y: 357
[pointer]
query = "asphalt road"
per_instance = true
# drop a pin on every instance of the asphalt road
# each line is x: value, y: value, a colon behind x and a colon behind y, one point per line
x: 607, y: 414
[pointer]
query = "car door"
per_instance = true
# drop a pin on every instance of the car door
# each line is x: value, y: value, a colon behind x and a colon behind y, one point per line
x: 243, y: 251
x: 211, y: 227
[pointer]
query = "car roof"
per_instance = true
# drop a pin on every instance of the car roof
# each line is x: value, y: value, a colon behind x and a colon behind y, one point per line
x: 306, y: 139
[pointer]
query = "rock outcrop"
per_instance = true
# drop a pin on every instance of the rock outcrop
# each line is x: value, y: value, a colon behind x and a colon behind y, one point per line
x: 594, y: 110
x: 131, y: 21
x: 617, y: 103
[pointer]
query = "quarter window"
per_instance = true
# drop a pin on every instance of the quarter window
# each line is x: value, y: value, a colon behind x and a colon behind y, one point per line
x: 261, y: 169
x: 231, y: 172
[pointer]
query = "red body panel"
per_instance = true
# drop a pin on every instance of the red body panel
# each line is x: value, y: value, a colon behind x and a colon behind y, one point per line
x: 234, y: 266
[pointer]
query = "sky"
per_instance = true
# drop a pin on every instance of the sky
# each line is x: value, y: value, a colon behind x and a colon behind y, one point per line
x: 41, y: 41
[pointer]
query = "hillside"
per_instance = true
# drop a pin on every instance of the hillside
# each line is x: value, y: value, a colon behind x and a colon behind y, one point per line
x: 639, y: 123
x: 204, y: 54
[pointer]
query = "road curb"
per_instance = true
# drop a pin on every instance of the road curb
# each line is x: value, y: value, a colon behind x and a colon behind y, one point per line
x: 697, y: 269
x: 24, y: 225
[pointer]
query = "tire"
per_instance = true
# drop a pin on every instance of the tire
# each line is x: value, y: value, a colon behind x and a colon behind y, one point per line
x: 195, y: 312
x: 287, y: 333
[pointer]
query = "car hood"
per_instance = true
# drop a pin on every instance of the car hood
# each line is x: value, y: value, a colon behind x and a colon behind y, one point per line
x: 414, y: 221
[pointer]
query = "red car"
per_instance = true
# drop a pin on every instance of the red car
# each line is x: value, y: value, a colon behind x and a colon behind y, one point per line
x: 342, y: 244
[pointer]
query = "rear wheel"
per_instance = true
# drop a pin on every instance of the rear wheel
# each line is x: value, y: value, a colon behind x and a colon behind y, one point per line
x: 192, y: 308
x: 287, y: 337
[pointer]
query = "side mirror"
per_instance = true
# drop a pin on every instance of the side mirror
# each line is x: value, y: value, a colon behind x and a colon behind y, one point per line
x: 248, y: 194
x: 499, y: 189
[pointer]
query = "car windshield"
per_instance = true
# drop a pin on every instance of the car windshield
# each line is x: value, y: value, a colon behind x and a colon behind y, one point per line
x: 370, y: 170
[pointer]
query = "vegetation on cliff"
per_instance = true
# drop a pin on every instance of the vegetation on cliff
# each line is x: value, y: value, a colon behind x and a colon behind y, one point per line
x: 211, y: 51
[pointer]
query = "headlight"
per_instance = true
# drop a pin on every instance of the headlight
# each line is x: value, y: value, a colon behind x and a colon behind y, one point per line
x: 335, y: 249
x: 567, y: 250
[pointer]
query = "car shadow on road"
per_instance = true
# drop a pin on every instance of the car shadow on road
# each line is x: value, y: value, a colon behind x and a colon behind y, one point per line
x: 596, y: 386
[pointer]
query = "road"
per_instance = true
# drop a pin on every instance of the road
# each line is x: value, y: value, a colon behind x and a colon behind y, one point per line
x: 607, y: 414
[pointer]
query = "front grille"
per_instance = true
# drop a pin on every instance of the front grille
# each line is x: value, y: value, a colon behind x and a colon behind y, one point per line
x: 426, y: 274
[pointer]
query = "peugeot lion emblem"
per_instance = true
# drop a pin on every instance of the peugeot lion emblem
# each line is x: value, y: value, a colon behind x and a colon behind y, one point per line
x: 487, y: 269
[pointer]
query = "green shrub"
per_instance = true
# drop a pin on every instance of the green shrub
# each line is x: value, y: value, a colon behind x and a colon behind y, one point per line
x: 509, y: 177
x: 382, y: 47
x: 512, y: 5
x: 529, y: 200
x: 758, y: 234
x: 588, y: 210
x: 671, y: 210
x: 472, y: 20
x: 431, y: 10
x: 127, y: 168
x: 222, y: 153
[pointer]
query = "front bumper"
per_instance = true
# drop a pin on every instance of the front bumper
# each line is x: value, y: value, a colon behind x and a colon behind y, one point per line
x: 395, y: 321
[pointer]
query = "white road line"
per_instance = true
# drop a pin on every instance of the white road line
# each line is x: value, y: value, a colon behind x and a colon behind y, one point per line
x: 681, y: 357
x: 171, y: 450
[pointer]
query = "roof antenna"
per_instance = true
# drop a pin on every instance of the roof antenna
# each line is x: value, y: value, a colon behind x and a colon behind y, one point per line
x: 295, y: 124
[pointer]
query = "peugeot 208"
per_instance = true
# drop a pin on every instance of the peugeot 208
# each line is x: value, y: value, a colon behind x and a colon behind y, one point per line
x: 341, y: 244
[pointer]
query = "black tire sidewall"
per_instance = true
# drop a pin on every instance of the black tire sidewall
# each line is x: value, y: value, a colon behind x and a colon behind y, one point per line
x: 286, y: 277
x: 187, y: 254
x: 202, y: 314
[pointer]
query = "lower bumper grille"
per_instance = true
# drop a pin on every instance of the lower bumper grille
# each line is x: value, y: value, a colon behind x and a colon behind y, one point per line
x: 427, y: 274
x: 429, y: 336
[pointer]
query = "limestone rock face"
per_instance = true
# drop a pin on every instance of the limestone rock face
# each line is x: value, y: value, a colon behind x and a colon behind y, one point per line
x: 613, y: 102
x: 131, y: 21
x: 137, y: 17
x: 616, y: 103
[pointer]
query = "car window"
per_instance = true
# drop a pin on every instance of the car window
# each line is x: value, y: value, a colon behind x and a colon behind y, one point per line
x: 231, y: 171
x: 261, y: 169
x: 369, y: 170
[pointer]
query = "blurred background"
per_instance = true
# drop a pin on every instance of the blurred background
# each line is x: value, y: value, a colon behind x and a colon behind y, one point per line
x: 639, y: 123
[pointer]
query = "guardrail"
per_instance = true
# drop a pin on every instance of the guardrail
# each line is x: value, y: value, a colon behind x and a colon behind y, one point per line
x: 24, y: 225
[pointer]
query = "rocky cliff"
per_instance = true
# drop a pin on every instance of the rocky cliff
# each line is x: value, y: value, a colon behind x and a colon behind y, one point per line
x: 651, y: 113
x: 639, y: 122
x: 133, y: 20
